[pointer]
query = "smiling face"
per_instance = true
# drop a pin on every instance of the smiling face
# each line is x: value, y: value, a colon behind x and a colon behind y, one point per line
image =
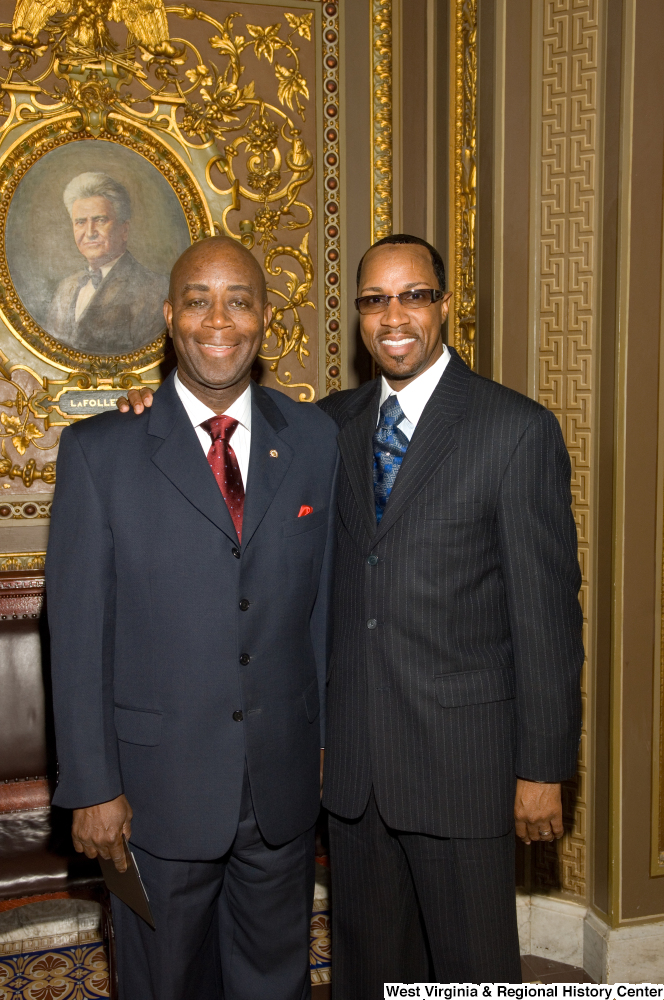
x: 98, y: 234
x: 217, y: 315
x: 403, y: 342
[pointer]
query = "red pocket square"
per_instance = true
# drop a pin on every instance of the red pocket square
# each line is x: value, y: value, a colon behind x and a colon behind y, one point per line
x: 304, y: 510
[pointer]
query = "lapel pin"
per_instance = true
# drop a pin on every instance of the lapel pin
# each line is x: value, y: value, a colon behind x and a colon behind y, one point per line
x: 274, y: 454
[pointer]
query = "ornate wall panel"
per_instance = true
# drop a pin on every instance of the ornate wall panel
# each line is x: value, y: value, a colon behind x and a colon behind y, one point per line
x: 463, y: 174
x: 566, y: 213
x: 215, y: 118
x: 331, y: 171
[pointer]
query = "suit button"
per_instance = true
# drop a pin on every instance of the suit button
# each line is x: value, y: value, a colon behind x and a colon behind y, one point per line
x: 237, y: 716
x: 244, y: 604
x: 236, y: 553
x: 372, y: 623
x: 373, y: 560
x: 244, y: 659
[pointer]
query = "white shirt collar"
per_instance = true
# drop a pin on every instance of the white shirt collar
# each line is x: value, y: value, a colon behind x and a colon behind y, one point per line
x: 417, y: 393
x: 198, y: 412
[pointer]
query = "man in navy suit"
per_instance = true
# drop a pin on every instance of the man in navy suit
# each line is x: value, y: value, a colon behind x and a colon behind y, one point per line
x: 188, y: 576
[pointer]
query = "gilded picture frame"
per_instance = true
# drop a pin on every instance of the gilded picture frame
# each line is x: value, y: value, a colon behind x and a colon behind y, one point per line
x: 45, y: 141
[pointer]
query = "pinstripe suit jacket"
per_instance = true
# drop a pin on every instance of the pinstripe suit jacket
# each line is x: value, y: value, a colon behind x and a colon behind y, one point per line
x: 456, y: 656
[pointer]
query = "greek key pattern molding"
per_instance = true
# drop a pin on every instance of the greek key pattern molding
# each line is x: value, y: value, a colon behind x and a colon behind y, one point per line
x: 566, y: 310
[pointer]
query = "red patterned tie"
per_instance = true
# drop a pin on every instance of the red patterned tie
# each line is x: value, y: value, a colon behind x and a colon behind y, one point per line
x: 223, y: 462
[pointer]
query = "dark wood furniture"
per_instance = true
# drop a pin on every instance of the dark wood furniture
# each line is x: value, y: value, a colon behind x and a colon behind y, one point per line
x: 37, y: 859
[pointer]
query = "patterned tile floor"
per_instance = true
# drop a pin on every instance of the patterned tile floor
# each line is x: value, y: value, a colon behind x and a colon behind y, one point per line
x: 79, y: 973
x: 60, y: 974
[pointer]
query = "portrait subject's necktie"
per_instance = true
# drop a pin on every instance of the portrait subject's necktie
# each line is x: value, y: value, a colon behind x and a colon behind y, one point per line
x: 94, y: 276
x: 223, y: 462
x: 389, y: 447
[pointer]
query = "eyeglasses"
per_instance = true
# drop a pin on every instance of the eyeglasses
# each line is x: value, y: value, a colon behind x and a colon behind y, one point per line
x: 417, y: 298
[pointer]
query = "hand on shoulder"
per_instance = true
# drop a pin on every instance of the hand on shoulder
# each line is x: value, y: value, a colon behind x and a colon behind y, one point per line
x: 137, y: 401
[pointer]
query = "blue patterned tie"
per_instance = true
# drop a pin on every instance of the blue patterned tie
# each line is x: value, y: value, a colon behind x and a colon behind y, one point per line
x: 389, y: 447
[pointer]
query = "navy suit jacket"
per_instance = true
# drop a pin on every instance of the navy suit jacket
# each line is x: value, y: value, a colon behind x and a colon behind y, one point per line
x: 152, y: 652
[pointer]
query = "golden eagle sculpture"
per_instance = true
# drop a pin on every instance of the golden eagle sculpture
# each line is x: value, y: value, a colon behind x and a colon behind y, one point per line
x: 84, y: 21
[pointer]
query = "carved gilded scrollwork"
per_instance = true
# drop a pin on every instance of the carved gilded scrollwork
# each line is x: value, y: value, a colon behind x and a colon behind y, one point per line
x: 296, y: 339
x: 261, y: 128
x: 381, y: 120
x: 465, y: 175
x: 24, y: 426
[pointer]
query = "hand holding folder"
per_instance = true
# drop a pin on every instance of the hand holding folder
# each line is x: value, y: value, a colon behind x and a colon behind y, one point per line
x: 128, y: 885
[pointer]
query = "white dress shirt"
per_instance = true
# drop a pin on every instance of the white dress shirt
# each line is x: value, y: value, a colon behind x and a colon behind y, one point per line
x: 417, y: 393
x: 240, y: 410
x: 86, y: 293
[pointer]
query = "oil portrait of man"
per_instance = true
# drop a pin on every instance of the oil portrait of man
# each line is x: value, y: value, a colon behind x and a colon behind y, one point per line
x: 113, y: 303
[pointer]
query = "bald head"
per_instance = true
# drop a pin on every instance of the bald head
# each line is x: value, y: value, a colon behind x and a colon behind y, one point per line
x: 218, y: 315
x: 216, y: 252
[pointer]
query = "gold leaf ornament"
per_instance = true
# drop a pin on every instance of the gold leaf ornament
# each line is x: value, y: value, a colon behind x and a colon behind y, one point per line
x: 291, y: 83
x: 301, y: 24
x: 266, y: 40
x: 31, y: 16
x: 224, y: 43
x: 23, y: 441
x: 262, y: 135
x: 22, y: 436
x: 146, y: 19
x: 200, y: 75
x: 85, y: 23
x: 11, y: 424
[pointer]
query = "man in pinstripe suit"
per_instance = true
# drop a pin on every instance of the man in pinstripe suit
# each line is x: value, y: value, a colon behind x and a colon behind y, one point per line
x: 453, y: 693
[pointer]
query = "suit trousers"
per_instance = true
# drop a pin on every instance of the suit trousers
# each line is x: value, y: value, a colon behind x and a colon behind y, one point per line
x: 236, y: 928
x: 406, y: 905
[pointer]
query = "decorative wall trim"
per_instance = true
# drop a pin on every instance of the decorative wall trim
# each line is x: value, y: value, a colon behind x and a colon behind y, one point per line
x: 464, y: 174
x: 24, y: 510
x: 382, y: 166
x: 20, y: 562
x: 22, y: 596
x: 565, y: 248
x: 331, y: 170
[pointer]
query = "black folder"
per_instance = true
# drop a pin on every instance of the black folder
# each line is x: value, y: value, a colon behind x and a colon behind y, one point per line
x: 128, y: 886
